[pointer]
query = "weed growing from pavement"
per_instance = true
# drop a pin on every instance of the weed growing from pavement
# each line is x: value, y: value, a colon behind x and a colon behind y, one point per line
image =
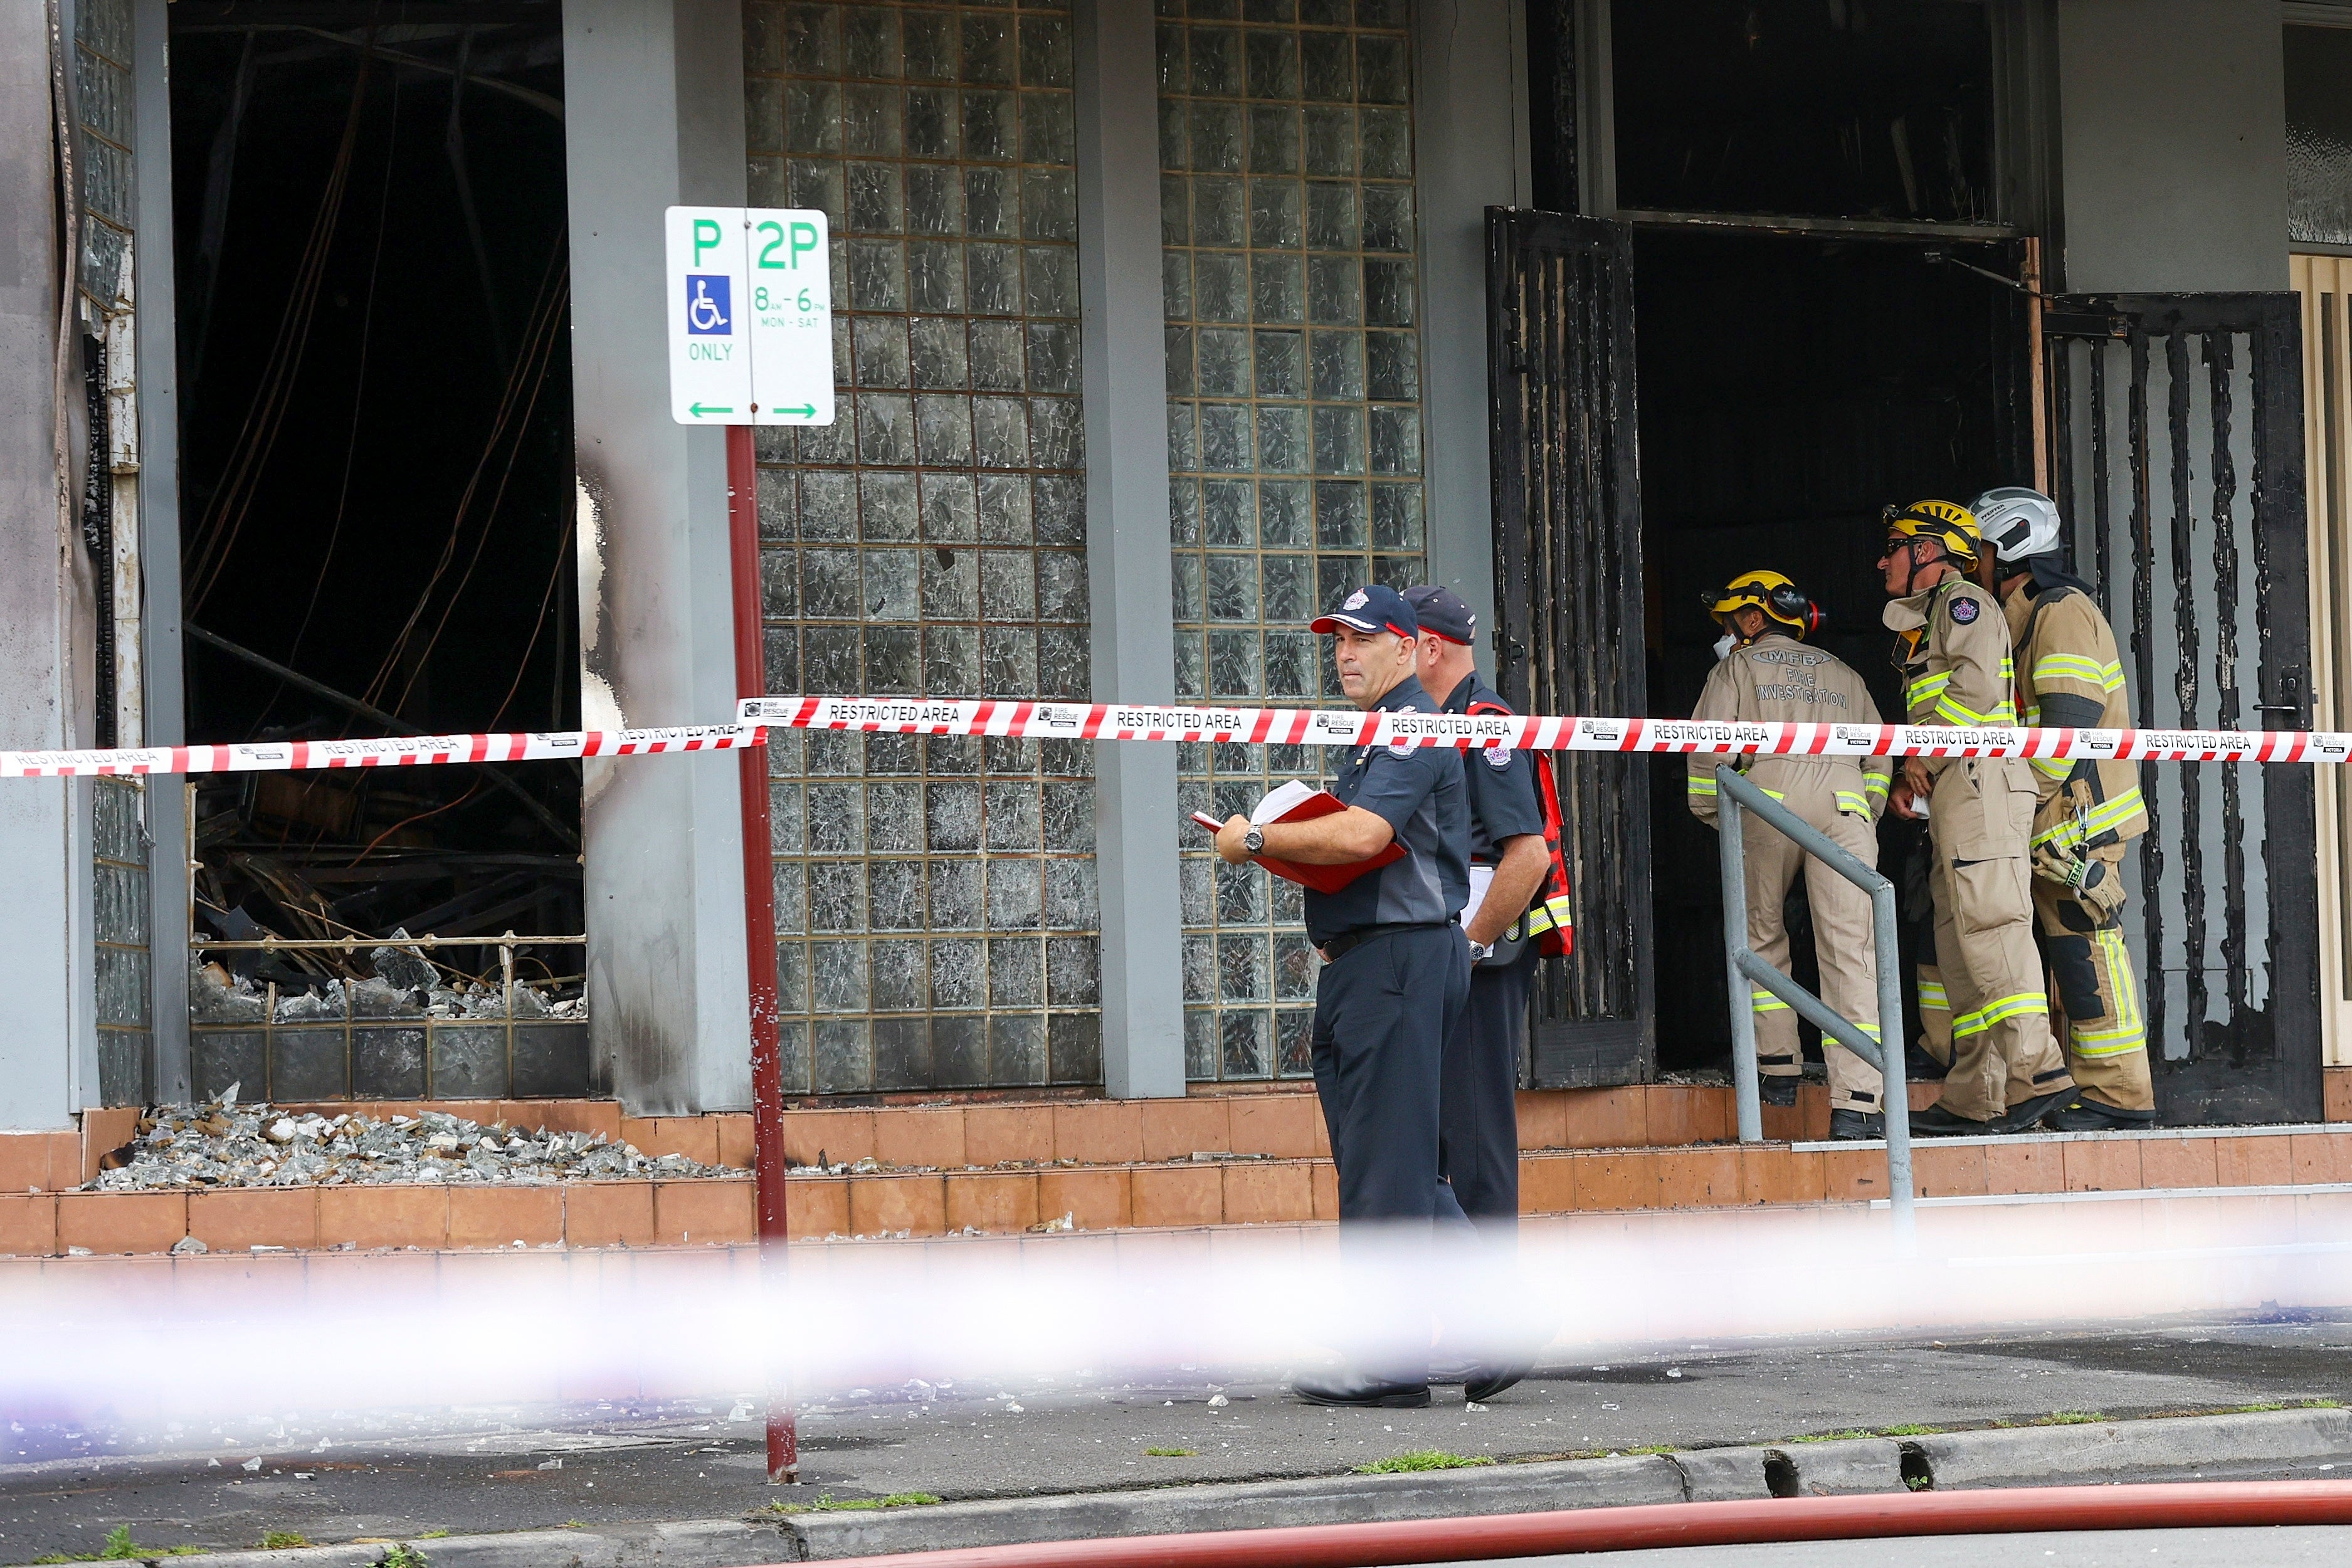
x: 2068, y: 1418
x: 120, y: 1548
x: 829, y: 1504
x: 1173, y: 1453
x: 282, y: 1540
x: 434, y: 1535
x: 1828, y: 1437
x: 1909, y: 1429
x: 1648, y: 1449
x: 1422, y: 1459
x: 400, y: 1554
x: 1919, y: 1483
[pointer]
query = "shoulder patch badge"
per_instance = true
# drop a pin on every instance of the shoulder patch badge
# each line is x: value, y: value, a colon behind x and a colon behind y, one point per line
x: 1963, y: 608
x: 1497, y: 757
x: 1401, y: 748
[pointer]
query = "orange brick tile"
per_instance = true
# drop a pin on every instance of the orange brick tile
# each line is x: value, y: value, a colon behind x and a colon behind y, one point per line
x: 28, y: 1225
x: 915, y: 1204
x: 696, y: 1138
x: 103, y: 1131
x: 1094, y: 1199
x: 2101, y: 1164
x: 1714, y: 1118
x: 2178, y: 1162
x: 2031, y: 1167
x: 608, y: 1213
x: 482, y: 1111
x: 738, y: 1141
x: 1924, y: 1093
x: 1177, y: 1195
x: 1175, y: 1129
x: 1697, y: 1178
x: 390, y: 1216
x: 1813, y: 1110
x: 1098, y: 1132
x: 556, y: 1115
x: 2315, y: 1157
x: 1947, y: 1170
x: 1002, y: 1204
x: 29, y: 1162
x: 924, y: 1137
x: 707, y: 1212
x: 1547, y: 1184
x: 483, y: 1217
x: 1781, y: 1124
x: 1286, y: 1126
x: 1606, y: 1118
x: 1617, y: 1179
x: 1543, y: 1119
x: 1855, y: 1176
x: 122, y: 1221
x: 1274, y: 1192
x: 236, y: 1220
x: 1008, y: 1135
x: 1325, y: 1176
x: 816, y: 1208
x: 2258, y: 1161
x: 1776, y: 1173
x: 1670, y: 1115
x: 843, y: 1137
x: 2337, y: 1091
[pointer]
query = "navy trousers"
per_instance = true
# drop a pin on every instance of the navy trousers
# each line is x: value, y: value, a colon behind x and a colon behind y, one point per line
x: 1478, y: 1112
x: 1383, y: 1013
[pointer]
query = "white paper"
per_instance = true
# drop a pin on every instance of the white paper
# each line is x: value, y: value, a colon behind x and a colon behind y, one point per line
x: 1482, y: 877
x: 1280, y: 801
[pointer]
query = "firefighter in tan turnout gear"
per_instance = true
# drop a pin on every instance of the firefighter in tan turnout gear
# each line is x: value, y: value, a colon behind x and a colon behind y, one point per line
x: 2070, y: 675
x: 1952, y: 651
x: 1769, y: 674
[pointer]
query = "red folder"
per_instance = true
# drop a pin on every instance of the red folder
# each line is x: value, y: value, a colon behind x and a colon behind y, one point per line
x: 1317, y: 803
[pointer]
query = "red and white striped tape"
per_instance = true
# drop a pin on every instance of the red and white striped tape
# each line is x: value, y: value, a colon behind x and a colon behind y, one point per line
x: 1287, y: 727
x: 1309, y: 727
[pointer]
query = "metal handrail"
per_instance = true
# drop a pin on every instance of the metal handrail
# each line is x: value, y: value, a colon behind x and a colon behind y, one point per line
x: 1735, y: 792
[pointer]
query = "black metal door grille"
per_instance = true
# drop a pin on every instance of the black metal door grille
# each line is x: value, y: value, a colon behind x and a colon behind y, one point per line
x: 1567, y: 576
x: 2177, y: 441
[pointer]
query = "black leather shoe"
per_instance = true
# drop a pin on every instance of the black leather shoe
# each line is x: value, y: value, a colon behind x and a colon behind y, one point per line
x: 1355, y: 1391
x: 2027, y: 1114
x: 2090, y: 1116
x: 1780, y: 1089
x: 1853, y: 1126
x: 1489, y: 1381
x: 1935, y: 1122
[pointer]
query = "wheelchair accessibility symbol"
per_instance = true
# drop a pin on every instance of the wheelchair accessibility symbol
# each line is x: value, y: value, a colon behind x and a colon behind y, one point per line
x: 709, y: 311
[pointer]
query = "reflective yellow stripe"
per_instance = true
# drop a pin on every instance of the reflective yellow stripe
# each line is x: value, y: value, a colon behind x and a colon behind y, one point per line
x: 2107, y: 814
x: 2070, y: 668
x: 1703, y: 786
x: 2021, y: 1004
x: 2005, y: 712
x: 2051, y: 767
x: 1931, y: 995
x: 1927, y: 687
x: 1552, y: 913
x: 1766, y: 1002
x: 2128, y: 1032
x: 1874, y: 783
x: 1851, y: 801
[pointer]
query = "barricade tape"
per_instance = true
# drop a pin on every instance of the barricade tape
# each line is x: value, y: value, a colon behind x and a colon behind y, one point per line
x: 1281, y: 726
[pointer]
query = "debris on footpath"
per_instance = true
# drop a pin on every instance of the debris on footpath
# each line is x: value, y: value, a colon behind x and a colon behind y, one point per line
x: 226, y: 1144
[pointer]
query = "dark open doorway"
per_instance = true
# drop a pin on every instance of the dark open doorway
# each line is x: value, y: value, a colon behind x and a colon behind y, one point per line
x: 1792, y: 386
x: 375, y: 362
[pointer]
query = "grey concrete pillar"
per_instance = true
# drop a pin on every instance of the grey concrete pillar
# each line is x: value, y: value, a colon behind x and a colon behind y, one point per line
x: 654, y: 107
x: 46, y: 997
x: 1470, y: 152
x: 1127, y: 562
x: 161, y: 655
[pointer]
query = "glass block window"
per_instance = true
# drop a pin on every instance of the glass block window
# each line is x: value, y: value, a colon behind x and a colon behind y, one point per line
x: 935, y: 899
x: 1294, y: 384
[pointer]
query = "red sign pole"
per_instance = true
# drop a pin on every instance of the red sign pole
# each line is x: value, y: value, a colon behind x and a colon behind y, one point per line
x: 760, y: 939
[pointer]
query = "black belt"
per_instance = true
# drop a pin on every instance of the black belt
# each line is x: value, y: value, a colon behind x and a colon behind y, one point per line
x: 1347, y: 941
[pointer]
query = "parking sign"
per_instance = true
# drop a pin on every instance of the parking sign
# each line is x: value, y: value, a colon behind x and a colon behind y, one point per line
x: 751, y: 316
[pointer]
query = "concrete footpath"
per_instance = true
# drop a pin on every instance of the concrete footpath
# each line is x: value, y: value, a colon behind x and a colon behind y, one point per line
x: 603, y: 1484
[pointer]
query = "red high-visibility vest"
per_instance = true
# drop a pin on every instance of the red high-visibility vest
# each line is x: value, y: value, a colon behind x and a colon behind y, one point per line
x: 1550, y: 918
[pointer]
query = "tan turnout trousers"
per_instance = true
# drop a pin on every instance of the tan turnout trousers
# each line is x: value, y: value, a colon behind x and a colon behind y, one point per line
x: 1776, y: 677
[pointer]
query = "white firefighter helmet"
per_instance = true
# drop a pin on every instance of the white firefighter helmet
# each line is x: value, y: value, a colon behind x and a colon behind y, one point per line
x: 2017, y: 522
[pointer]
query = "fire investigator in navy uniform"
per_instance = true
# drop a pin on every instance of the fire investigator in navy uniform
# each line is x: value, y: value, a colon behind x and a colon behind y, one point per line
x: 1396, y: 968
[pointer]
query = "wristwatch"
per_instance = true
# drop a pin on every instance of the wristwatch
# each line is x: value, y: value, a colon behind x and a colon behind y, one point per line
x: 1255, y: 840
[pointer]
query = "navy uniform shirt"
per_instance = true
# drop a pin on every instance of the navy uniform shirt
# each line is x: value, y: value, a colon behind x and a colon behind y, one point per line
x: 1419, y: 791
x: 1503, y: 800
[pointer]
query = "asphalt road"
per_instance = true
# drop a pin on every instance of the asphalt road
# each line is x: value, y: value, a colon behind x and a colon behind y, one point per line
x: 409, y: 1473
x: 2296, y: 1546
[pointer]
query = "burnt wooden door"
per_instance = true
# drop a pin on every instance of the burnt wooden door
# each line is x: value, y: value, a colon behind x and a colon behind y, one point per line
x: 1567, y: 589
x: 2177, y: 456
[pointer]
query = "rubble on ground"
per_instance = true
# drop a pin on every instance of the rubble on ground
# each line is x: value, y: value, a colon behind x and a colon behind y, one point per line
x: 229, y: 1143
x: 218, y: 996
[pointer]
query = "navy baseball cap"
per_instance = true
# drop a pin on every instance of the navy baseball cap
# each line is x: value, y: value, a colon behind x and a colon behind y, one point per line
x: 1371, y: 609
x: 1442, y: 613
